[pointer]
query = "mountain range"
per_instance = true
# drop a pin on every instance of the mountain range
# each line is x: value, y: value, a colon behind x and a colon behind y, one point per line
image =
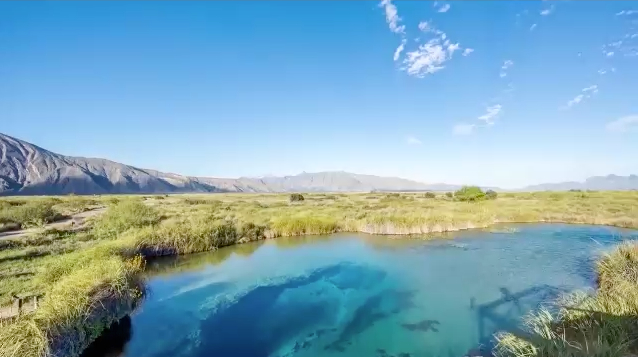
x: 27, y: 169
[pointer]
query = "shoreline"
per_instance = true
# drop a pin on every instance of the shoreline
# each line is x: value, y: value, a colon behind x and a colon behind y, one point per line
x: 133, y: 229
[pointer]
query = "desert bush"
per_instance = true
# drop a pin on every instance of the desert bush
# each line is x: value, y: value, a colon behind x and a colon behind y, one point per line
x: 123, y: 216
x: 491, y: 194
x: 33, y: 213
x: 296, y: 197
x: 429, y: 195
x: 75, y: 204
x: 469, y: 194
x: 449, y: 195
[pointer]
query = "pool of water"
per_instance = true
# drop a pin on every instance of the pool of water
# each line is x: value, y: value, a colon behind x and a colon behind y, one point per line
x: 362, y: 295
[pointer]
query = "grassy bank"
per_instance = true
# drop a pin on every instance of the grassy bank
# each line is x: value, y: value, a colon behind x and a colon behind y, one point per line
x: 601, y: 324
x: 80, y: 271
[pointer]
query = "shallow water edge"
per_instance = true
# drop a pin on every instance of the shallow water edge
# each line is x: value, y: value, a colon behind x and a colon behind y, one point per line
x: 298, y: 241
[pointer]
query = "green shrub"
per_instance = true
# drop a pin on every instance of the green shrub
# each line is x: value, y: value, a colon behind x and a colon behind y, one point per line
x: 296, y: 197
x: 491, y: 194
x: 33, y: 213
x: 469, y: 194
x: 429, y: 195
x: 123, y: 216
x: 449, y: 195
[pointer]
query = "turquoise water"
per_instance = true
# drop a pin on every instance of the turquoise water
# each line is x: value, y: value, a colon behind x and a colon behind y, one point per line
x: 361, y: 295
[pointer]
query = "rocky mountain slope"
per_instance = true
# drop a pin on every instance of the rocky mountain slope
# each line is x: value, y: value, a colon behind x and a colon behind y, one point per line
x: 27, y: 169
x: 31, y: 170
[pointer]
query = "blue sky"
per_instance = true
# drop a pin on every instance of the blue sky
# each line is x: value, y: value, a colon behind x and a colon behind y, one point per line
x: 493, y: 93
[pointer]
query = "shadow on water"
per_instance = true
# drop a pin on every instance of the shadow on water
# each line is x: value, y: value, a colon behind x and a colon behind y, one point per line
x: 377, y: 307
x: 504, y: 314
x: 270, y: 317
x: 112, y: 342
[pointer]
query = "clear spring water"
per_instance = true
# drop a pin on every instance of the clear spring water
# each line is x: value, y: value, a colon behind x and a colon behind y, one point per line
x: 361, y: 295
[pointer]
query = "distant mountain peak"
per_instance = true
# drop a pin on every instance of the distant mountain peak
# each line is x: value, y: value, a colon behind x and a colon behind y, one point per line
x: 29, y: 169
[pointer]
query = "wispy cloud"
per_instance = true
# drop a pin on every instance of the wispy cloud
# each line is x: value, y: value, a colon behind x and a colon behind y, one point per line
x: 586, y: 92
x: 627, y: 12
x: 441, y: 7
x: 392, y: 16
x: 487, y: 120
x: 491, y: 113
x: 547, y: 11
x: 623, y: 125
x: 411, y: 140
x: 444, y: 8
x: 603, y: 71
x: 429, y: 57
x: 397, y: 52
x: 463, y: 129
x: 506, y: 65
x: 531, y: 28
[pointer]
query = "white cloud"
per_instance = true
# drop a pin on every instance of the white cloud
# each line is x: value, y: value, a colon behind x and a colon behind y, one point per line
x: 467, y: 51
x: 507, y: 64
x: 593, y: 89
x: 616, y: 44
x: 609, y: 54
x: 463, y: 129
x: 547, y: 11
x: 602, y: 71
x: 451, y: 47
x: 428, y: 27
x: 587, y: 92
x: 425, y: 26
x: 392, y: 16
x: 397, y: 52
x: 411, y: 140
x: 532, y: 27
x: 428, y: 58
x: 627, y: 12
x: 577, y: 99
x: 444, y: 8
x: 624, y: 124
x: 492, y: 112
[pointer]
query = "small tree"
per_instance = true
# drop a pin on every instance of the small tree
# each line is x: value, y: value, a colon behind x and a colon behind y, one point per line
x: 491, y: 194
x: 429, y: 195
x: 470, y: 194
x: 295, y: 197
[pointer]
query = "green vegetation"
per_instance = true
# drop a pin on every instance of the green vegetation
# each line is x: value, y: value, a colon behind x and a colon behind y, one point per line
x: 123, y: 216
x: 23, y: 214
x: 473, y: 194
x: 601, y: 324
x: 296, y: 197
x: 78, y: 271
